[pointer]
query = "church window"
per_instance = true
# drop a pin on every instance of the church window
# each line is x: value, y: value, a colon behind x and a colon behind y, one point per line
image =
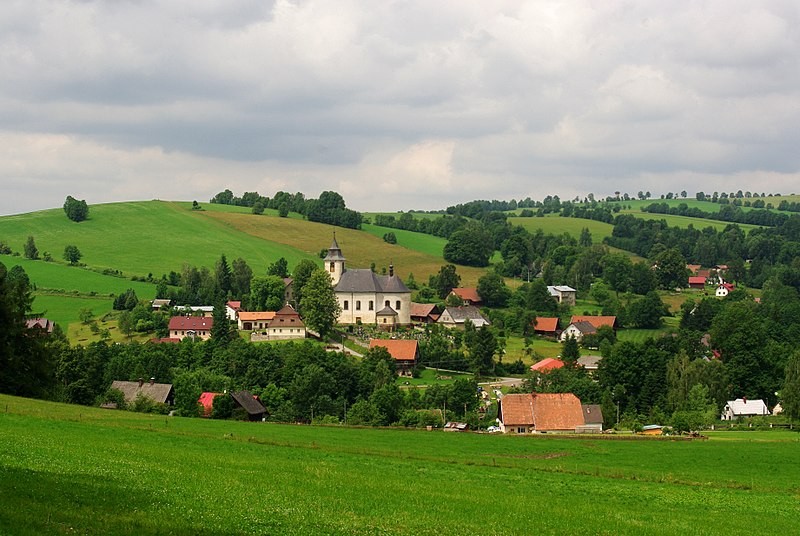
x: 397, y: 303
x: 333, y: 267
x: 358, y: 305
x: 386, y: 303
x: 346, y: 305
x: 371, y: 305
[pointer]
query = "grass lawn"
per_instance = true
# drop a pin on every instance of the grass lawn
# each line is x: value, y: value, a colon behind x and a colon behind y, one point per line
x: 69, y: 469
x: 431, y: 376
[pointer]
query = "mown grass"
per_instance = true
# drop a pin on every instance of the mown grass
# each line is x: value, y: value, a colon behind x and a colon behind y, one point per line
x: 87, y: 471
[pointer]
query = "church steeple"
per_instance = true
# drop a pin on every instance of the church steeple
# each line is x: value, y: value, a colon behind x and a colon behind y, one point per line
x: 334, y: 261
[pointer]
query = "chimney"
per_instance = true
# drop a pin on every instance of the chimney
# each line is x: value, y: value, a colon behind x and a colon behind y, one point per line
x: 391, y: 270
x: 744, y: 399
x: 141, y: 382
x: 152, y: 381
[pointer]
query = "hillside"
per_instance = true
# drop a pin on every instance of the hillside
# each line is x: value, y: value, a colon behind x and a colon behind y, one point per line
x: 73, y: 469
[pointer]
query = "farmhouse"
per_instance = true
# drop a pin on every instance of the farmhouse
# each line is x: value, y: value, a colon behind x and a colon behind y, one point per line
x: 232, y: 309
x: 255, y: 320
x: 455, y: 317
x: 741, y: 407
x: 160, y: 303
x: 404, y: 352
x: 540, y: 412
x: 596, y: 321
x: 286, y: 324
x: 578, y: 330
x: 250, y: 404
x: 697, y: 282
x: 365, y: 297
x: 723, y: 289
x: 546, y: 326
x: 206, y: 402
x: 563, y: 294
x: 468, y: 295
x: 424, y: 313
x: 163, y: 393
x: 181, y: 327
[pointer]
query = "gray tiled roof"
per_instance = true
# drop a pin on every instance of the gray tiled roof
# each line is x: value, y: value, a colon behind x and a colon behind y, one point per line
x: 334, y: 252
x: 464, y: 312
x: 364, y: 280
x: 387, y: 311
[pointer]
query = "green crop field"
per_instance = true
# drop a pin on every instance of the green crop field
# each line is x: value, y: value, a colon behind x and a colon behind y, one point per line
x: 77, y: 470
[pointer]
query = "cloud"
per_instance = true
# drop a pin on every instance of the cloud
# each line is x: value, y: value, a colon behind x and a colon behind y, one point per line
x: 395, y: 105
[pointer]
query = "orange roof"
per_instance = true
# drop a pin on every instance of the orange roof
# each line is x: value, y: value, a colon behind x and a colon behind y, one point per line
x: 249, y: 316
x: 545, y: 411
x: 422, y: 309
x: 547, y: 364
x: 469, y: 294
x: 596, y: 321
x: 544, y: 323
x: 399, y: 349
x: 693, y: 268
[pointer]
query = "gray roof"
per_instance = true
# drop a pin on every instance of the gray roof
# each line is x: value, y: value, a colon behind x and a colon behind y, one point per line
x: 365, y: 280
x: 248, y: 403
x: 590, y: 361
x: 465, y: 312
x: 592, y: 413
x: 585, y: 327
x: 334, y: 252
x: 160, y: 392
x: 387, y: 311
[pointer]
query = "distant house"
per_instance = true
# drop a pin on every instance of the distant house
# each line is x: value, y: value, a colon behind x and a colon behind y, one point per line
x: 160, y: 303
x: 563, y: 294
x: 592, y: 418
x: 652, y: 429
x: 454, y: 317
x: 546, y: 365
x: 723, y: 289
x: 404, y: 351
x: 288, y: 290
x: 424, y: 313
x: 456, y: 427
x: 468, y: 295
x: 741, y: 407
x: 590, y: 363
x: 232, y: 309
x: 255, y: 320
x: 578, y: 330
x: 697, y: 282
x: 596, y: 321
x: 193, y: 327
x: 200, y: 310
x: 206, y: 402
x: 547, y: 326
x: 44, y: 325
x: 163, y: 393
x: 250, y: 403
x: 540, y: 412
x: 286, y: 324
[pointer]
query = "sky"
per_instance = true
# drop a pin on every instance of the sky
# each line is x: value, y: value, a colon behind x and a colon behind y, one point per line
x: 395, y: 105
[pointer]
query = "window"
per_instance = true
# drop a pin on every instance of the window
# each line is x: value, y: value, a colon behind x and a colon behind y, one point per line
x: 386, y: 303
x: 397, y: 305
x: 358, y: 305
x: 371, y: 305
x: 520, y: 430
x: 333, y: 267
x: 346, y: 305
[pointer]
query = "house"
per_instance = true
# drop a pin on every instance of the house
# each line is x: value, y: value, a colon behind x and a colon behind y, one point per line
x: 578, y: 330
x: 424, y: 313
x: 590, y: 362
x: 404, y: 352
x: 162, y: 393
x: 193, y: 327
x: 365, y: 297
x: 546, y: 365
x: 547, y: 326
x: 286, y: 324
x: 199, y: 310
x: 232, y: 309
x: 454, y: 317
x: 44, y: 325
x: 540, y: 412
x: 592, y: 418
x: 741, y: 407
x: 255, y: 320
x: 468, y: 295
x: 652, y: 429
x: 697, y: 282
x: 703, y: 273
x: 596, y: 321
x: 563, y: 294
x: 456, y: 427
x: 723, y: 289
x: 206, y: 402
x: 250, y: 403
x: 288, y: 290
x: 160, y: 303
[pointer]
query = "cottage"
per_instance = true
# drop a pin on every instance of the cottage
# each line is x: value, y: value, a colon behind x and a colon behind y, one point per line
x: 540, y: 412
x: 43, y: 325
x: 250, y: 403
x: 468, y: 295
x: 547, y: 326
x: 723, y: 289
x: 578, y: 330
x: 424, y: 313
x: 404, y: 352
x: 255, y: 320
x: 596, y: 321
x: 741, y: 407
x: 697, y: 282
x: 232, y: 309
x: 160, y: 303
x: 365, y: 297
x: 546, y: 365
x: 455, y: 317
x: 456, y: 427
x: 181, y: 327
x: 563, y: 294
x: 162, y: 393
x: 286, y: 324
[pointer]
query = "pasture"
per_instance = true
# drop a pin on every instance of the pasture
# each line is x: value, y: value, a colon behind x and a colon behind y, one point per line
x: 69, y: 469
x: 557, y: 225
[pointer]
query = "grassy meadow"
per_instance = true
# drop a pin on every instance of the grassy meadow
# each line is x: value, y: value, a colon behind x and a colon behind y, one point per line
x: 557, y: 225
x: 77, y: 470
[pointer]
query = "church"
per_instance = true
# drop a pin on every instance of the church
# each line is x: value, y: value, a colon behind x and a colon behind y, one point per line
x: 365, y: 297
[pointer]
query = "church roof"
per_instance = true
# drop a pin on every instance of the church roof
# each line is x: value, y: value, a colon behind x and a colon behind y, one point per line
x: 334, y: 252
x: 387, y: 311
x: 365, y: 280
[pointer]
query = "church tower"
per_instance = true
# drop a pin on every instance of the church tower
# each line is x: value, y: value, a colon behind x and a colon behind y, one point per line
x: 334, y: 261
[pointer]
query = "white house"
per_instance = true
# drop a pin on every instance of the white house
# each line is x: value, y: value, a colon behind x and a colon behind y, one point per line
x: 741, y: 407
x: 455, y: 317
x: 563, y: 294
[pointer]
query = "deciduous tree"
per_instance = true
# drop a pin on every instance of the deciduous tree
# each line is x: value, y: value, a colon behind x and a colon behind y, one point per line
x: 319, y: 305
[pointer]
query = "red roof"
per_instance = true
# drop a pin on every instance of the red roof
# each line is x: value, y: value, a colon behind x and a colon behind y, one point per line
x: 190, y: 322
x: 596, y: 321
x: 697, y: 280
x: 399, y: 349
x: 235, y: 305
x: 207, y: 401
x: 544, y: 323
x: 468, y: 294
x: 547, y: 364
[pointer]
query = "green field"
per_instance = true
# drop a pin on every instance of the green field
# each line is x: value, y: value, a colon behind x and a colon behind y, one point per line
x: 69, y: 469
x: 684, y: 221
x: 557, y: 225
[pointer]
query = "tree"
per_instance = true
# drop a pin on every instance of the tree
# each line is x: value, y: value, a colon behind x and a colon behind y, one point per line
x: 72, y: 254
x: 302, y: 272
x: 241, y: 275
x: 390, y: 238
x: 221, y: 331
x: 790, y: 393
x: 76, y: 210
x: 646, y: 313
x: 446, y: 280
x: 493, y: 290
x: 470, y: 246
x: 279, y: 268
x: 319, y: 305
x: 482, y: 347
x: 671, y: 269
x: 31, y: 252
x: 570, y: 351
x: 223, y: 277
x: 585, y: 239
x: 267, y: 293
